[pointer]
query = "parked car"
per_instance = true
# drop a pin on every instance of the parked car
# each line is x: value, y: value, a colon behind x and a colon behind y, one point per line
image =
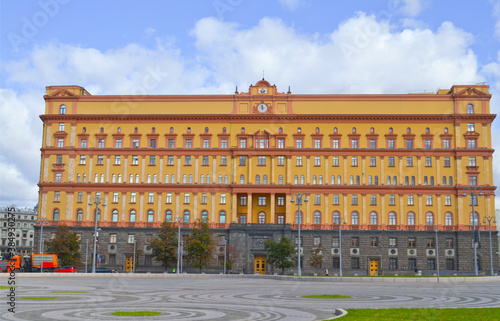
x: 66, y: 269
x: 102, y: 270
x: 3, y: 265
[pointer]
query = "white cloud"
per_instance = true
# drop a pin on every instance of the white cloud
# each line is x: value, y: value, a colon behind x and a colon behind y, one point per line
x: 291, y: 5
x: 362, y: 55
x: 149, y: 32
x: 496, y: 15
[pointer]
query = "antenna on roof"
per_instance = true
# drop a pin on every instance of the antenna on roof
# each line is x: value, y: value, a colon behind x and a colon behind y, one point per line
x: 262, y: 74
x: 236, y: 90
x: 289, y: 90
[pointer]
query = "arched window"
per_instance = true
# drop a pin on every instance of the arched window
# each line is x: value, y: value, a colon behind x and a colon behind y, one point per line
x: 299, y: 130
x: 186, y: 216
x: 298, y: 217
x: 370, y: 182
x: 257, y: 179
x: 373, y: 218
x: 388, y: 180
x: 413, y: 180
x: 376, y: 180
x: 448, y: 219
x: 184, y: 179
x: 79, y: 215
x: 208, y: 179
x: 202, y: 179
x: 96, y: 178
x: 339, y: 180
x: 372, y: 130
x: 167, y: 178
x: 280, y: 179
x: 223, y: 129
x: 392, y: 218
x: 168, y: 216
x: 354, y: 129
x: 153, y: 130
x: 390, y: 130
x: 411, y: 219
x: 408, y: 130
x: 470, y: 109
x: 204, y: 216
x: 336, y: 217
x: 119, y: 178
x: 78, y: 178
x: 220, y: 179
x: 281, y: 129
x: 320, y: 180
x: 206, y: 129
x: 155, y: 178
x: 102, y: 178
x: 335, y: 129
x: 315, y: 181
x: 317, y: 218
x: 242, y: 179
x: 226, y: 179
x: 296, y: 180
x: 302, y: 180
x: 474, y: 219
x: 190, y: 178
x: 132, y: 216
x: 148, y: 179
x: 137, y: 178
x: 84, y: 178
x: 432, y: 180
x: 171, y: 129
x: 262, y: 218
x: 351, y: 180
x: 114, y: 216
x: 426, y: 182
x: 354, y: 218
x: 222, y: 217
x: 264, y: 179
x: 151, y: 216
x: 444, y: 180
x: 317, y: 129
x: 243, y: 129
x: 394, y: 180
x: 113, y: 178
x: 62, y: 109
x: 407, y: 180
x: 357, y: 180
x: 429, y: 219
x: 135, y: 130
x: 427, y: 130
x: 450, y: 181
x: 55, y: 214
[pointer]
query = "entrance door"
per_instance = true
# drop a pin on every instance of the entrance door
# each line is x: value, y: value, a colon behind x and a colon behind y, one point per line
x: 260, y: 264
x: 129, y: 264
x: 373, y: 267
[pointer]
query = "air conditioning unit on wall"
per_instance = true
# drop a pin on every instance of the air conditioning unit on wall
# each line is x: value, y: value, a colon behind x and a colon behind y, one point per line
x: 393, y: 252
x: 449, y: 252
x: 430, y: 252
x: 354, y: 251
x: 412, y: 252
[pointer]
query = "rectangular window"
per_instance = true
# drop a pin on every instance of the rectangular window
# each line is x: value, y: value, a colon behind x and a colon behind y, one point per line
x: 261, y: 160
x: 112, y: 238
x: 115, y: 197
x: 187, y: 161
x: 171, y: 144
x: 204, y: 198
x: 335, y: 161
x: 374, y: 241
x: 393, y: 264
x: 317, y: 160
x: 135, y: 160
x: 429, y: 200
x: 61, y: 127
x: 412, y: 264
x: 151, y: 198
x: 243, y: 143
x: 428, y: 161
x: 335, y: 144
x: 449, y: 244
x: 206, y: 143
x: 83, y: 159
x: 471, y: 144
x: 446, y: 143
x: 118, y: 160
x: 152, y: 160
x: 430, y: 242
x: 223, y: 143
x: 243, y: 201
x: 169, y: 198
x: 243, y: 160
x: 409, y: 161
x: 390, y: 143
x: 262, y: 201
x: 58, y: 177
x: 118, y: 143
x: 170, y: 160
x: 412, y: 243
x: 60, y: 142
x: 335, y: 199
x: 472, y: 161
x: 100, y: 143
x: 100, y: 160
x: 135, y: 143
x: 450, y: 264
x: 317, y: 199
x: 393, y: 242
x: 189, y: 143
x: 446, y: 162
x: 317, y: 241
x: 373, y: 144
x: 281, y: 160
x: 392, y: 200
x: 373, y: 161
x: 354, y: 143
x: 298, y: 161
x: 83, y: 143
x: 470, y: 127
x: 409, y: 144
x: 428, y: 144
x: 131, y: 238
x: 431, y: 264
x: 317, y: 143
x: 132, y: 197
x: 186, y: 198
x: 281, y: 143
x: 354, y: 161
x: 281, y: 201
x: 80, y: 197
x: 473, y: 180
x: 373, y: 199
x: 204, y: 161
x: 391, y: 161
x: 223, y: 198
x: 447, y: 200
x: 152, y: 143
x: 299, y: 143
x: 410, y: 199
x: 354, y: 263
x: 354, y: 200
x: 223, y: 160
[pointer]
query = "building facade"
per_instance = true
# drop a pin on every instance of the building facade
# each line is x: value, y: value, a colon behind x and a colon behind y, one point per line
x: 391, y: 168
x: 22, y: 222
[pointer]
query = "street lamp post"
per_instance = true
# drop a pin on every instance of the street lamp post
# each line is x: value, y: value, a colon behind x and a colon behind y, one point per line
x: 299, y: 197
x: 472, y: 191
x: 97, y: 200
x: 41, y: 221
x: 179, y: 219
x: 340, y: 221
x: 437, y: 252
x: 225, y: 242
x: 133, y: 267
x: 489, y: 218
x: 86, y: 256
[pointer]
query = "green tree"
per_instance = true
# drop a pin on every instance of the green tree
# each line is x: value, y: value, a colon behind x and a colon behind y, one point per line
x: 199, y: 246
x: 316, y: 257
x: 279, y: 253
x: 164, y: 247
x: 66, y: 245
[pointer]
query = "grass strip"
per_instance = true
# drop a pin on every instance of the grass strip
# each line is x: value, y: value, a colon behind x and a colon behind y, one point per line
x: 2, y: 287
x: 327, y: 296
x: 69, y: 292
x: 136, y: 313
x: 423, y: 314
x: 38, y: 298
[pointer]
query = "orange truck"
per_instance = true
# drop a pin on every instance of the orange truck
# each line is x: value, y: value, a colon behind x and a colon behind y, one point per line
x: 32, y: 263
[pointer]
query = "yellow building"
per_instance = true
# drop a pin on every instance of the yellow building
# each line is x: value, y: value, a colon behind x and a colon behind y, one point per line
x: 389, y: 165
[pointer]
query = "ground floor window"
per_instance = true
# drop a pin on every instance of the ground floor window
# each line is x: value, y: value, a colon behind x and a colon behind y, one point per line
x: 281, y: 219
x: 336, y: 263
x: 393, y: 264
x: 450, y: 264
x: 355, y: 263
x: 412, y: 264
x: 148, y: 260
x: 243, y: 219
x: 431, y: 264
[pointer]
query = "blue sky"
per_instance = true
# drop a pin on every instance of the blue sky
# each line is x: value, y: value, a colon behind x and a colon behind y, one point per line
x: 111, y: 47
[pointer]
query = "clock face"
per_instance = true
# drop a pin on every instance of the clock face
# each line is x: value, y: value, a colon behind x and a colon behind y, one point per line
x: 262, y: 108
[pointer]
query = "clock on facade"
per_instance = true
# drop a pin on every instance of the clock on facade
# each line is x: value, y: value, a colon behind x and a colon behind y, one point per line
x: 262, y: 108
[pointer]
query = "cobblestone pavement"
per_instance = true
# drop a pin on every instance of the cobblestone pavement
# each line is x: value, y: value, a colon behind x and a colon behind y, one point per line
x: 231, y: 298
